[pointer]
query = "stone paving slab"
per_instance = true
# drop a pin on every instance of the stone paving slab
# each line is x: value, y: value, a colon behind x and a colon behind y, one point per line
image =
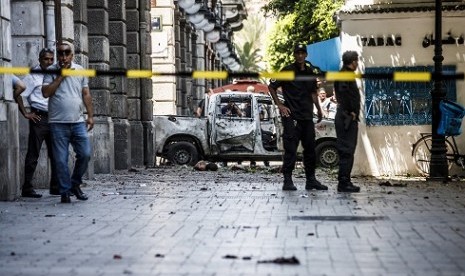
x: 176, y: 221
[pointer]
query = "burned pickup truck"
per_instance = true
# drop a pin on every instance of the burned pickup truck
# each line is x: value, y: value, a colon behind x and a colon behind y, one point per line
x: 238, y: 126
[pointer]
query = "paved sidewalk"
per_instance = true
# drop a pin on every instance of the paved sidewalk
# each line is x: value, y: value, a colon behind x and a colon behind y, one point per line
x: 176, y: 221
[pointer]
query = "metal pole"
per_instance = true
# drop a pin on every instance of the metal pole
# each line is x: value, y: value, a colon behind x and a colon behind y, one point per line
x: 438, y: 167
x: 58, y: 27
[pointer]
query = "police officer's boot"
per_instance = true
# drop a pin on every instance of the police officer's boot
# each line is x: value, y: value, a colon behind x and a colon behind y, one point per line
x: 346, y: 186
x: 288, y: 183
x: 313, y: 183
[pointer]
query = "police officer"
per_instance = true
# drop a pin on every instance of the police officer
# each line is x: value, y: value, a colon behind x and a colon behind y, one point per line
x: 346, y: 122
x: 297, y: 118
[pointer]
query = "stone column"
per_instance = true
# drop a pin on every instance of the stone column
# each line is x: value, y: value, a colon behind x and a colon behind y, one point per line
x: 134, y: 93
x: 74, y: 29
x: 49, y: 8
x: 99, y: 58
x: 178, y: 59
x: 200, y: 61
x: 163, y: 59
x: 119, y: 85
x: 183, y: 55
x: 27, y: 38
x: 9, y: 140
x: 146, y: 84
x: 198, y: 86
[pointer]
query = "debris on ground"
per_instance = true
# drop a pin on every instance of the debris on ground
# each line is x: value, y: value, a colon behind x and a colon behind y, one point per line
x: 110, y: 193
x: 388, y: 184
x: 282, y: 260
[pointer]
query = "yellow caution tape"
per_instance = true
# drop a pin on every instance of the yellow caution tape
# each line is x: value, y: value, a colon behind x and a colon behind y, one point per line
x: 15, y: 70
x: 342, y: 76
x: 412, y: 76
x: 284, y: 75
x: 210, y: 75
x: 79, y: 73
x: 139, y: 74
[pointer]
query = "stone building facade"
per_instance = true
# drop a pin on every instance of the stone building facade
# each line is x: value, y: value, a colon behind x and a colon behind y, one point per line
x: 106, y: 34
x: 179, y: 43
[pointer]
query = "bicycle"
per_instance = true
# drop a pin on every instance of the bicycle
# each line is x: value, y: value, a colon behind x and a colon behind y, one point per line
x: 421, y: 153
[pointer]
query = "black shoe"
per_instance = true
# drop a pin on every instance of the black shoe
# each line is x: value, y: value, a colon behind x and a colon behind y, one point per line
x: 289, y: 184
x: 315, y: 184
x: 54, y: 191
x: 78, y: 193
x: 289, y: 187
x: 65, y: 198
x: 347, y: 188
x: 30, y: 193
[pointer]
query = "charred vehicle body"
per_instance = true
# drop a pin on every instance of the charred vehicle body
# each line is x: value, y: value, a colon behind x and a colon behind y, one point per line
x: 238, y: 126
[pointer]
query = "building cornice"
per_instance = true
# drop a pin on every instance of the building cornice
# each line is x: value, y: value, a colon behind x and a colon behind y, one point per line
x: 401, y: 7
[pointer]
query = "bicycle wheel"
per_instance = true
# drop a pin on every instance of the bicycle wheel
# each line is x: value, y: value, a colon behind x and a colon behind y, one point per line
x: 422, y: 154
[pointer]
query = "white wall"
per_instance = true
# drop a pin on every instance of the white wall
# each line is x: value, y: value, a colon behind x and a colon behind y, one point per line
x: 386, y: 150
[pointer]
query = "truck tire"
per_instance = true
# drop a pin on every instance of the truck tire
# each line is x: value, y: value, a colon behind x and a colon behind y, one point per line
x: 183, y: 153
x: 326, y: 154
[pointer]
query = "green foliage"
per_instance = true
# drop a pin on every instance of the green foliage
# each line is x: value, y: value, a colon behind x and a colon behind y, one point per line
x: 249, y: 57
x: 253, y: 31
x: 280, y: 39
x: 280, y: 6
x: 306, y: 22
x: 248, y: 42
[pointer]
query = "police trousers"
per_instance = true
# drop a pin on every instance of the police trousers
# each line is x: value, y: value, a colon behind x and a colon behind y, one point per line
x: 346, y: 144
x: 295, y: 131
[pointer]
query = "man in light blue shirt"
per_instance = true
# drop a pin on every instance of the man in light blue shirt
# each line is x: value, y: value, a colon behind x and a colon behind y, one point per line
x: 69, y: 126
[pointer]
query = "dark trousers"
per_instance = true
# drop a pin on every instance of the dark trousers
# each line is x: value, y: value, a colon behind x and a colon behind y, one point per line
x: 38, y: 133
x: 346, y: 143
x: 295, y: 131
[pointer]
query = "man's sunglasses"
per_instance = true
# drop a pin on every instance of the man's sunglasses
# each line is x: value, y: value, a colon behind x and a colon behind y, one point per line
x: 64, y: 52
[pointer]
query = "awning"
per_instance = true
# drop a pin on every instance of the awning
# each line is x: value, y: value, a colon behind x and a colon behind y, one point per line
x: 326, y: 54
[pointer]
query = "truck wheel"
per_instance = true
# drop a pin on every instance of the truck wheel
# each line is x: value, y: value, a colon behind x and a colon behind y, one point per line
x: 183, y: 153
x: 326, y: 154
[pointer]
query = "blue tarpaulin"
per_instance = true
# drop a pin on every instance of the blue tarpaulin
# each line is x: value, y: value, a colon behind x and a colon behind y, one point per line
x: 325, y: 54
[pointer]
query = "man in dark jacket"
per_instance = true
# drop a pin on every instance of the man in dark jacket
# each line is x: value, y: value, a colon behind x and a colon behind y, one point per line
x: 346, y: 122
x: 297, y: 118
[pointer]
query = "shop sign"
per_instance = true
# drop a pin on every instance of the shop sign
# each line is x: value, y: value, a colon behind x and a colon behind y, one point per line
x: 372, y: 41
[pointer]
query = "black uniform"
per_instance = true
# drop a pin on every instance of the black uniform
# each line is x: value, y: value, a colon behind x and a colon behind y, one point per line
x: 348, y: 99
x: 299, y: 126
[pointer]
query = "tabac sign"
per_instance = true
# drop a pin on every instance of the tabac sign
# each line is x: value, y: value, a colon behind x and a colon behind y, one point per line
x: 382, y: 40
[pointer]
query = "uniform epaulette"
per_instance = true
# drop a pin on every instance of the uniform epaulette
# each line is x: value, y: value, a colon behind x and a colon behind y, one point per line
x: 313, y: 68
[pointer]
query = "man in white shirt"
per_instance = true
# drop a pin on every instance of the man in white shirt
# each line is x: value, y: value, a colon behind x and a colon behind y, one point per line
x: 39, y: 130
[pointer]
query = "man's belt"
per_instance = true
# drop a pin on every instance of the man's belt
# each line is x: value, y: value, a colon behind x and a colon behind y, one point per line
x: 39, y: 112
